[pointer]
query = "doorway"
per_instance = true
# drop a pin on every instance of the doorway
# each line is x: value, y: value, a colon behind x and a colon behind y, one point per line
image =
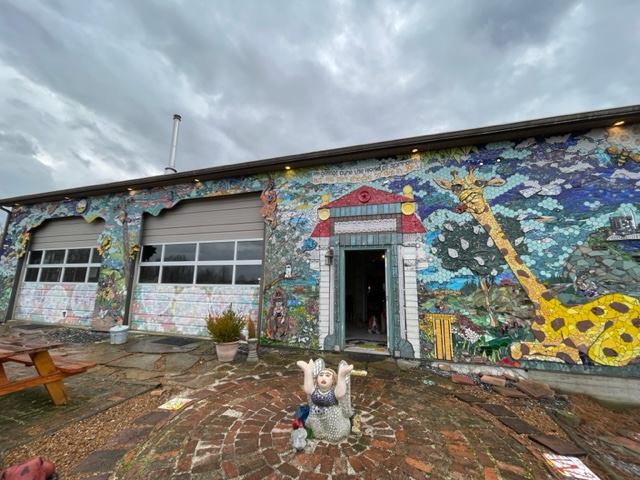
x: 365, y: 301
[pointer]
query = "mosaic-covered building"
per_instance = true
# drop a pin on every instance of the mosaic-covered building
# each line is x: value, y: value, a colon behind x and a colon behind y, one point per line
x: 518, y: 244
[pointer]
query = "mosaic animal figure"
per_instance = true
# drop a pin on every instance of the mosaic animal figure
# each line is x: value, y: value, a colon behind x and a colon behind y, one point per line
x: 269, y: 198
x: 606, y: 330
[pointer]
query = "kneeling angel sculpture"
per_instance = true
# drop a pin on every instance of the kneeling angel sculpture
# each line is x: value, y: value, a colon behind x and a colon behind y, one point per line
x: 329, y: 398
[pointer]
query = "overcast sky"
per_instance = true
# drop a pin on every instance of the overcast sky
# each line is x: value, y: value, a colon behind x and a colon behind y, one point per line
x: 88, y: 89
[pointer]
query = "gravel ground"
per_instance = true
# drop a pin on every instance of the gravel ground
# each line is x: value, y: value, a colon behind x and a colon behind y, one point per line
x: 75, y: 336
x: 68, y: 447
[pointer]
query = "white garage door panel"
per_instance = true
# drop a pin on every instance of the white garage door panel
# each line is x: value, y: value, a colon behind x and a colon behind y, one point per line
x: 182, y: 308
x: 73, y: 232
x: 68, y: 303
x: 224, y: 218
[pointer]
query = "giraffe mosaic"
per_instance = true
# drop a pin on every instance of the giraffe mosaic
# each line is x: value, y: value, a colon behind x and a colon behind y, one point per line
x: 606, y: 330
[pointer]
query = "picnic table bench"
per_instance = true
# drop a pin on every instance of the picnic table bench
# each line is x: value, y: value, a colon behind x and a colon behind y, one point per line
x: 50, y: 369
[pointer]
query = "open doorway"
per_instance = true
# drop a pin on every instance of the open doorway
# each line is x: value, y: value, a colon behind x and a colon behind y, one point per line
x: 365, y: 301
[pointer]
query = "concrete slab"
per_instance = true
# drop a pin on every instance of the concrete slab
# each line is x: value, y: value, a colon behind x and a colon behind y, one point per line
x: 462, y: 379
x: 197, y: 382
x: 497, y: 410
x: 153, y: 418
x: 465, y: 397
x: 438, y: 390
x: 141, y: 375
x: 102, y: 357
x: 179, y: 362
x: 148, y: 344
x: 558, y: 445
x: 136, y: 360
x: 510, y: 392
x: 519, y: 426
x: 535, y: 389
x: 129, y: 437
x: 102, y: 461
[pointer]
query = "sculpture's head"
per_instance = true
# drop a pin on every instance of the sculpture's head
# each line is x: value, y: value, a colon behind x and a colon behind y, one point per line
x: 326, y: 379
x: 469, y: 189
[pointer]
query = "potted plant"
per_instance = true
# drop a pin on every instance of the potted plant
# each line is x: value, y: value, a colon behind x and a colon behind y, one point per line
x: 225, y: 330
x: 252, y: 341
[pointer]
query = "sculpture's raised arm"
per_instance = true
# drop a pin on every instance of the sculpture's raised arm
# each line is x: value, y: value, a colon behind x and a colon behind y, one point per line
x: 309, y: 383
x: 341, y: 386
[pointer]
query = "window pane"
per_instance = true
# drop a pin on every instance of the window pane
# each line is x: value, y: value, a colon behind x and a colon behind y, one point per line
x: 250, y: 250
x: 215, y: 275
x: 51, y: 274
x: 151, y: 253
x: 181, y: 274
x: 74, y: 274
x: 32, y: 275
x: 216, y: 251
x: 95, y: 256
x: 78, y: 255
x: 35, y: 257
x: 149, y: 275
x: 93, y: 274
x: 180, y: 253
x: 248, y: 274
x: 54, y: 256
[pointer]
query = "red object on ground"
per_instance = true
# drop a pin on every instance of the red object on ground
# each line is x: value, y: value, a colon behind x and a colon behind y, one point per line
x: 34, y: 469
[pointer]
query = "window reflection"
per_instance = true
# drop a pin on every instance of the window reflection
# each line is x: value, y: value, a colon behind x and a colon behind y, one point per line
x: 180, y: 252
x: 178, y: 274
x: 248, y: 274
x: 205, y: 263
x: 250, y: 250
x: 215, y: 275
x: 216, y: 251
x: 64, y: 265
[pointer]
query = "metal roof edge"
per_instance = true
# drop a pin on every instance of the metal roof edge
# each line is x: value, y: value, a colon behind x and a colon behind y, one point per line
x: 543, y: 126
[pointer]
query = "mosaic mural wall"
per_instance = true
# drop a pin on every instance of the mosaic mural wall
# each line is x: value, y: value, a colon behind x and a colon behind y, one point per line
x: 118, y: 244
x: 182, y: 309
x: 57, y: 303
x: 530, y: 255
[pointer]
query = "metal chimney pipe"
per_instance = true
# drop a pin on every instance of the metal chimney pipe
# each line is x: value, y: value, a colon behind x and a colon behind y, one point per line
x: 171, y: 168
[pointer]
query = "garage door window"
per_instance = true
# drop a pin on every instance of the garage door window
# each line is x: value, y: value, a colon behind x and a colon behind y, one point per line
x: 72, y: 265
x: 202, y: 263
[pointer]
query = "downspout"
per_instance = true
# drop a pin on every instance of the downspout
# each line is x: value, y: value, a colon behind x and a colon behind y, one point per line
x: 131, y: 274
x: 4, y: 234
x: 6, y: 226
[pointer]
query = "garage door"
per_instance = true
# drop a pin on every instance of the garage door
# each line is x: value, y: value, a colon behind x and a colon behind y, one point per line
x: 200, y: 256
x: 59, y: 281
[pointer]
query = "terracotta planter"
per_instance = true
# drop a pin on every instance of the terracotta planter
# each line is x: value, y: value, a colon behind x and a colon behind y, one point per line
x: 227, y: 351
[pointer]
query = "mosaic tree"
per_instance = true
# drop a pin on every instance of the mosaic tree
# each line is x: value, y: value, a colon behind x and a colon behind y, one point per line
x: 467, y: 245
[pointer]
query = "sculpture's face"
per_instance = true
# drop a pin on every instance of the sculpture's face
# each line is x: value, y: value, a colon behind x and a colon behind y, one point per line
x: 325, y: 380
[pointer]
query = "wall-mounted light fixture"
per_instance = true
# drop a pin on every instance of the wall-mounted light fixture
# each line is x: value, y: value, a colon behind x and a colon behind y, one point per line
x: 617, y: 124
x: 328, y: 257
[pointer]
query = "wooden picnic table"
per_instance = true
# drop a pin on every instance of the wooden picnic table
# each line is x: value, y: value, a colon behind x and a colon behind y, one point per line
x: 50, y: 370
